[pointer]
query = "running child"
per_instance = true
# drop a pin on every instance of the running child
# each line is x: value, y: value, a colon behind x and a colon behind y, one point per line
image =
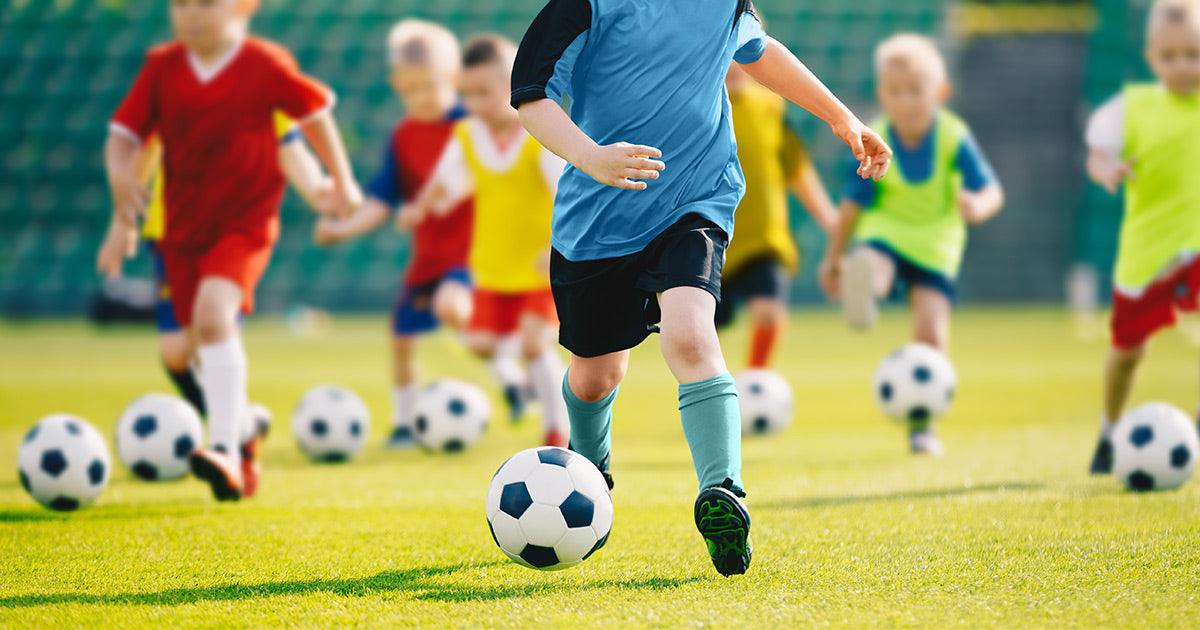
x: 513, y: 179
x: 425, y: 61
x: 640, y: 230
x: 762, y: 260
x: 209, y: 96
x: 1144, y: 139
x: 907, y: 232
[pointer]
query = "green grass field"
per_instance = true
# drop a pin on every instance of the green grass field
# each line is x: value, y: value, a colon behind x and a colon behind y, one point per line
x: 1006, y: 530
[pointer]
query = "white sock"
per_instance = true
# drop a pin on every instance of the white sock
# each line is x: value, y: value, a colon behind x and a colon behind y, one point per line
x: 505, y: 365
x: 223, y: 374
x: 547, y: 373
x: 404, y: 404
x: 1106, y: 425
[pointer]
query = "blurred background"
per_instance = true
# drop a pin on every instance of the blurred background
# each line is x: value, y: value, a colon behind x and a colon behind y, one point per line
x: 1026, y: 74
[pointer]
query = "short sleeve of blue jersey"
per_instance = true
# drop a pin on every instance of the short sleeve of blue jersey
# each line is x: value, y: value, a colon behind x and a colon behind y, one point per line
x: 976, y: 171
x: 385, y: 185
x: 545, y: 62
x: 751, y: 39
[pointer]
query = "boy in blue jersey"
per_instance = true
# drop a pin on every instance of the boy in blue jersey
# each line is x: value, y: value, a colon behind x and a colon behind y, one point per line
x: 639, y: 230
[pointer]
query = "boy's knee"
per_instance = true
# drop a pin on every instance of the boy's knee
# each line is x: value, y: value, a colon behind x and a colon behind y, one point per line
x: 691, y: 346
x: 594, y: 383
x: 176, y: 359
x: 212, y: 326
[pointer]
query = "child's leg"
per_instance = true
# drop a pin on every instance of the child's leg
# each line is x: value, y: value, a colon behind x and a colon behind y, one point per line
x: 769, y: 316
x: 452, y: 304
x: 405, y: 388
x: 867, y: 277
x: 175, y: 347
x: 546, y: 372
x: 222, y: 361
x: 707, y: 395
x: 931, y: 317
x: 589, y: 390
x: 1119, y: 373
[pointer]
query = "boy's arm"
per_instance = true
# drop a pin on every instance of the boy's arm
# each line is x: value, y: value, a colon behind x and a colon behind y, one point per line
x: 1106, y: 142
x: 123, y: 163
x: 620, y: 165
x: 448, y: 186
x: 323, y: 135
x: 780, y: 71
x: 369, y: 216
x: 831, y: 266
x: 982, y: 196
x: 806, y: 184
x: 981, y: 206
x: 304, y: 173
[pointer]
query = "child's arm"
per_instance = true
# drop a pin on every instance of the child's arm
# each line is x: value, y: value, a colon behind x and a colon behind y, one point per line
x: 1108, y: 170
x: 322, y: 134
x: 982, y: 196
x: 448, y: 186
x: 839, y: 240
x: 806, y: 184
x: 981, y: 206
x: 124, y: 165
x: 371, y: 215
x: 620, y: 165
x: 304, y: 173
x: 780, y: 71
x: 1106, y: 142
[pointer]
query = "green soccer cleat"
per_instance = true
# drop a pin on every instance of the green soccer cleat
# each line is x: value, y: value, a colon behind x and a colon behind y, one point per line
x: 724, y: 523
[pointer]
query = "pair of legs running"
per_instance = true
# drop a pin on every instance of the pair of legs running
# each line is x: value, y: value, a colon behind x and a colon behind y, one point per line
x: 708, y: 407
x: 869, y: 276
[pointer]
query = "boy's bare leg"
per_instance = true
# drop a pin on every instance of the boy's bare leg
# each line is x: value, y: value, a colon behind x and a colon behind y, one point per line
x: 867, y: 276
x: 931, y: 326
x: 546, y: 372
x: 405, y: 390
x: 452, y: 304
x: 689, y: 337
x: 589, y: 391
x: 223, y: 374
x: 176, y: 351
x: 1119, y: 372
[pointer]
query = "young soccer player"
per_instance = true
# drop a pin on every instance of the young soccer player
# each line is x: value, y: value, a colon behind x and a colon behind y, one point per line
x: 513, y: 179
x: 762, y: 259
x: 209, y: 96
x: 907, y: 232
x: 640, y: 230
x: 425, y: 61
x: 1143, y: 138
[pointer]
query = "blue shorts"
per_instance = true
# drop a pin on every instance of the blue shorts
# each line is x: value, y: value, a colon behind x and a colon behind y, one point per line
x: 909, y: 274
x: 414, y: 314
x: 164, y: 310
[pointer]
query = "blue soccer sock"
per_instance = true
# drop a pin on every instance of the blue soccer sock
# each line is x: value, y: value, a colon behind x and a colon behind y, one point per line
x: 591, y: 425
x: 712, y: 423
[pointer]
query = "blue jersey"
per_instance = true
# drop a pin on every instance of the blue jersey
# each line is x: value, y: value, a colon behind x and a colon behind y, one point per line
x: 647, y: 72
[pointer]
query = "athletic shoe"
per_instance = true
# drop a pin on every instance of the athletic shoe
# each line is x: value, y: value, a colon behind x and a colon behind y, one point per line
x: 857, y: 290
x: 221, y: 475
x: 401, y: 438
x: 251, y: 467
x: 1102, y: 460
x: 555, y: 438
x: 724, y: 523
x: 515, y: 398
x: 925, y: 442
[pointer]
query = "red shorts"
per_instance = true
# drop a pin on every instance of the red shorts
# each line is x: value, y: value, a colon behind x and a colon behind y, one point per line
x: 500, y: 313
x: 1136, y: 319
x: 237, y: 258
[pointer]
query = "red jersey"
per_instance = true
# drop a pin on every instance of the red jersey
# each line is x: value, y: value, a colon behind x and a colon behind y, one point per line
x: 440, y: 243
x: 220, y: 148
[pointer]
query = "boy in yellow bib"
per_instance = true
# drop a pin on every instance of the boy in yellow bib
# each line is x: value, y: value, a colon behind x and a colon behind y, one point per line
x: 1144, y: 138
x: 513, y: 179
x: 911, y: 226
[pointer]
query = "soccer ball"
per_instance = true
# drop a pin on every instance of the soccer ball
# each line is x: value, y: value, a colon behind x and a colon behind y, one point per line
x: 451, y: 415
x: 915, y: 383
x: 766, y: 401
x: 549, y: 508
x: 257, y: 422
x: 1155, y: 448
x: 63, y: 463
x: 331, y: 423
x: 156, y: 434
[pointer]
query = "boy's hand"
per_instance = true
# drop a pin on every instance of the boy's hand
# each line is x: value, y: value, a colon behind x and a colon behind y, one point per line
x: 873, y: 154
x: 409, y: 217
x: 120, y: 243
x: 325, y: 201
x: 829, y: 275
x: 347, y: 198
x: 971, y: 208
x: 1111, y: 174
x: 327, y: 232
x: 621, y: 165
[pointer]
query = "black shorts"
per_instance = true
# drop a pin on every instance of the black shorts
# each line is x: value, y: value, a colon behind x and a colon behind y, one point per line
x: 762, y: 277
x: 611, y: 304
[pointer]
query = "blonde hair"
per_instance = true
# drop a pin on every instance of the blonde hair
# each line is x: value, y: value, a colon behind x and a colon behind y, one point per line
x: 1173, y: 13
x: 912, y: 52
x: 421, y: 43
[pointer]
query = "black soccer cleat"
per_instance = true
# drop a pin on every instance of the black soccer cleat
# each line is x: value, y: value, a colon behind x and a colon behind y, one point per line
x: 514, y: 397
x: 724, y: 522
x: 1102, y: 460
x: 214, y: 469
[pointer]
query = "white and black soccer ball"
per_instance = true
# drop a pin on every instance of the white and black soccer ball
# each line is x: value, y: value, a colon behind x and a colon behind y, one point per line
x: 766, y: 401
x: 331, y: 423
x: 155, y: 435
x: 451, y: 416
x: 256, y: 422
x: 549, y: 508
x: 915, y: 384
x: 63, y: 463
x: 1155, y: 448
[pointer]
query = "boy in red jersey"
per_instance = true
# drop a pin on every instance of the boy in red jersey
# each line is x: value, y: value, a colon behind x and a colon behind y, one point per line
x: 210, y: 96
x: 425, y: 61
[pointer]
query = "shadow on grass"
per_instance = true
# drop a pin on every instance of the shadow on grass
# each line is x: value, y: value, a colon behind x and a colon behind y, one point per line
x: 420, y: 582
x: 29, y: 516
x: 909, y: 495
